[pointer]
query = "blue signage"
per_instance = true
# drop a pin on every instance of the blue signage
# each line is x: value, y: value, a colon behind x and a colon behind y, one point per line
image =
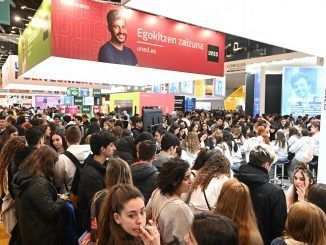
x: 190, y: 104
x: 68, y: 100
x: 302, y: 90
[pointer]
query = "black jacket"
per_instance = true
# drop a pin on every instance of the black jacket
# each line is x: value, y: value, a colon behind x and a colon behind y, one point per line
x: 13, y: 168
x: 39, y: 211
x: 125, y: 149
x: 144, y: 177
x: 268, y: 201
x: 92, y: 180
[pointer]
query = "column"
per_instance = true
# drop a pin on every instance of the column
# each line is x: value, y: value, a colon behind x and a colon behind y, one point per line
x: 321, y: 178
x: 262, y: 89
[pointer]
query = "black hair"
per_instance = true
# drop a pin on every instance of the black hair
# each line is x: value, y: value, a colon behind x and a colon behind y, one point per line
x: 56, y: 116
x: 305, y: 132
x: 317, y: 195
x: 161, y: 131
x: 171, y: 175
x: 99, y: 140
x: 66, y: 118
x: 202, y: 157
x: 144, y: 136
x: 210, y: 229
x: 33, y: 135
x: 79, y: 118
x: 36, y: 122
x: 169, y: 140
x: 146, y: 150
x: 260, y: 155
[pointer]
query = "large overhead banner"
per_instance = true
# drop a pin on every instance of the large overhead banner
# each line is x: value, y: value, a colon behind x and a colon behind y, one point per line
x: 34, y: 44
x: 97, y: 31
x: 302, y: 90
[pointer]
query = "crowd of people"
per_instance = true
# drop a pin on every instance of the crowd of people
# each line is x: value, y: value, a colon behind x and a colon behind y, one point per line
x: 200, y: 177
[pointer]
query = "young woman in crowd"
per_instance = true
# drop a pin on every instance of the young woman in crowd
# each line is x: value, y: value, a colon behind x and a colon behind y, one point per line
x: 166, y: 207
x: 200, y: 161
x: 182, y: 133
x: 58, y: 141
x: 122, y: 219
x: 303, y: 152
x: 38, y: 207
x: 209, y: 229
x: 10, y: 131
x: 315, y: 127
x: 294, y: 136
x: 205, y: 129
x: 208, y: 183
x: 47, y: 134
x: 117, y: 172
x: 301, y: 183
x: 234, y: 150
x: 234, y: 202
x: 193, y: 128
x: 6, y: 157
x: 174, y: 128
x: 305, y: 224
x: 280, y: 148
x: 222, y: 146
x: 190, y: 148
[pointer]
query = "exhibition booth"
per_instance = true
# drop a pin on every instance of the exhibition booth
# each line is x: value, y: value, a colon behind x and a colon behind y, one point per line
x: 67, y: 40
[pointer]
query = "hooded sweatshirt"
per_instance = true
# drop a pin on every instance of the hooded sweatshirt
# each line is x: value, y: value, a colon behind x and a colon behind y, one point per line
x: 144, y: 177
x: 65, y: 168
x: 125, y: 149
x: 40, y: 213
x: 19, y: 157
x: 268, y: 201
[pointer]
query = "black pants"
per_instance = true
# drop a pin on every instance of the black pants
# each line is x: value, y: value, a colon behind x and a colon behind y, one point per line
x: 313, y: 165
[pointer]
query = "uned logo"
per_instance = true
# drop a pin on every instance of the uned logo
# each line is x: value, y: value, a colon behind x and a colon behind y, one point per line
x: 212, y: 53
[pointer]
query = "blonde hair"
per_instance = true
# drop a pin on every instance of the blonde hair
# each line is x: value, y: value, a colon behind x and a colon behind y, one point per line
x: 234, y: 202
x: 306, y: 223
x: 117, y: 172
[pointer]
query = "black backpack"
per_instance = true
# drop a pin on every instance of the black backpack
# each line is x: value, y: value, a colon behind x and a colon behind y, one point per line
x: 73, y: 196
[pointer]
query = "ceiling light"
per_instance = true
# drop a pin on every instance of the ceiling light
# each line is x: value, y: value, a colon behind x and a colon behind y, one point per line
x: 25, y: 7
x: 13, y: 32
x: 17, y: 18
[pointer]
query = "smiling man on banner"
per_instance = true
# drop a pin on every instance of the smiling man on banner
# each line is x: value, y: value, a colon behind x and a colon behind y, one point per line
x: 114, y: 51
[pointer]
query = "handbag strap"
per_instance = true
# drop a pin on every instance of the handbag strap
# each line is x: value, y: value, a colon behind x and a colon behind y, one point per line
x: 209, y: 208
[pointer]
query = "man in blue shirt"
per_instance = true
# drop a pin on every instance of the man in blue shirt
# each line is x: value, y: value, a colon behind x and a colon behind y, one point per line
x: 114, y: 50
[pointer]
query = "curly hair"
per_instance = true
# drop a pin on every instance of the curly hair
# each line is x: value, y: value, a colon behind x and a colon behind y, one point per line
x: 191, y: 143
x: 214, y: 167
x: 171, y: 175
x: 7, y: 156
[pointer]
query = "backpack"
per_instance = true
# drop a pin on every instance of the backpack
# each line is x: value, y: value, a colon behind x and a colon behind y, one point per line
x: 73, y: 196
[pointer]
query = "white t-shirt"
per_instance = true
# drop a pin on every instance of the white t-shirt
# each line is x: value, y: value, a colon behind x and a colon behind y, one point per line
x: 197, y: 201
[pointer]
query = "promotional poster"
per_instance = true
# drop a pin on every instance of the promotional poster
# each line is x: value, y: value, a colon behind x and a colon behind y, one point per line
x: 187, y: 87
x: 220, y: 87
x: 98, y: 31
x: 302, y: 90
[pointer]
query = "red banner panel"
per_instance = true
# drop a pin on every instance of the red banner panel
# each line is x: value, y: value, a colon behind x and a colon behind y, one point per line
x: 90, y: 30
